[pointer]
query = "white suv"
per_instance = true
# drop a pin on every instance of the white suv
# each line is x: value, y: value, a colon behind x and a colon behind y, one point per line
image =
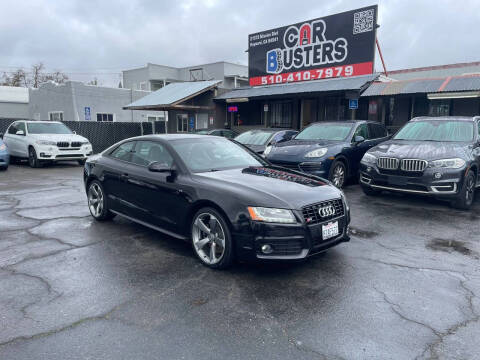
x: 45, y: 141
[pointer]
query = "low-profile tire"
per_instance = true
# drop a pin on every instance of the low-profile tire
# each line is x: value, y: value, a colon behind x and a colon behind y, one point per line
x: 465, y: 198
x: 211, y: 239
x: 369, y: 191
x: 97, y: 202
x: 81, y: 162
x: 32, y: 158
x: 338, y: 174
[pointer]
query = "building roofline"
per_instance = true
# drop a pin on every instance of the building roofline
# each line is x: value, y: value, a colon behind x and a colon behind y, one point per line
x: 435, y: 67
x: 184, y: 67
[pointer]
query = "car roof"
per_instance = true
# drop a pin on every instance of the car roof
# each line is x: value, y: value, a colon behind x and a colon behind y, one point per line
x: 319, y: 123
x: 170, y: 137
x: 445, y: 118
x: 272, y: 130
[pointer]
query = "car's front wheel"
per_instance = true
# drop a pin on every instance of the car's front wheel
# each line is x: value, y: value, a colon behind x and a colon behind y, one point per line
x: 338, y: 174
x: 211, y: 239
x: 467, y: 194
x: 32, y: 158
x: 97, y: 202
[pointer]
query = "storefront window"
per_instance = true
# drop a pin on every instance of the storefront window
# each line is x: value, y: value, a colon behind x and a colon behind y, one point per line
x: 279, y: 115
x: 182, y: 123
x: 439, y: 108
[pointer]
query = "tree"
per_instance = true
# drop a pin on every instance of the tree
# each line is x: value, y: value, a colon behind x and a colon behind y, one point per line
x: 33, y: 78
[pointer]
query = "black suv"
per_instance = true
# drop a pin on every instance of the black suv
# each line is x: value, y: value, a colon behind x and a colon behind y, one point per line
x: 439, y: 157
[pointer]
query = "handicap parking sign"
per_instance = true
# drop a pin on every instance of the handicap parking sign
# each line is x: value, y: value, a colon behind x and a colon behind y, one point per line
x: 353, y: 104
x: 87, y: 113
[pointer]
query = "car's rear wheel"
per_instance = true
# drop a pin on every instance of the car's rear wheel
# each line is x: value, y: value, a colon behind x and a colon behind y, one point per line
x: 338, y: 174
x: 32, y: 158
x: 211, y: 239
x: 467, y: 194
x: 369, y: 191
x: 97, y: 202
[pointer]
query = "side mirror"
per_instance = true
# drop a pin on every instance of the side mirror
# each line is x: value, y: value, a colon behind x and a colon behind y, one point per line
x: 75, y: 132
x: 20, y: 132
x: 358, y: 139
x: 160, y: 167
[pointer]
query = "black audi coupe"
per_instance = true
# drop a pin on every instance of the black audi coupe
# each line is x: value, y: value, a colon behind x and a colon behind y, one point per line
x: 228, y: 201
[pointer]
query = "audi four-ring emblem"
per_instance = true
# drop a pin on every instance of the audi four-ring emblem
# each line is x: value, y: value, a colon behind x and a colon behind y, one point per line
x: 328, y: 210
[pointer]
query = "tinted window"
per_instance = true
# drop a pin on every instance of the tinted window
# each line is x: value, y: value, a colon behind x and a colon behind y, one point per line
x: 362, y: 130
x: 436, y: 130
x: 13, y: 129
x: 210, y: 154
x: 325, y: 132
x: 48, y: 128
x: 279, y: 137
x: 229, y: 134
x: 377, y: 131
x: 147, y: 152
x: 123, y: 152
x: 254, y: 137
x: 479, y: 128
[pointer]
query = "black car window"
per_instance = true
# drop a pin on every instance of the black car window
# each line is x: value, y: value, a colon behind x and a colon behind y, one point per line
x: 376, y: 131
x: 279, y: 137
x: 124, y: 151
x: 147, y: 152
x: 229, y: 134
x: 362, y: 130
x: 21, y: 126
x: 216, y: 133
x: 478, y: 128
x: 13, y: 129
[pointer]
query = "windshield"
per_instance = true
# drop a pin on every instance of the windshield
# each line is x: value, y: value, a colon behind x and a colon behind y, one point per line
x: 202, y: 132
x: 212, y: 154
x: 47, y: 128
x: 254, y: 137
x: 325, y: 132
x: 436, y: 130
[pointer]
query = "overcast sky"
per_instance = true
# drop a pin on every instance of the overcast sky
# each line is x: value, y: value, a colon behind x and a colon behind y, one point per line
x: 99, y: 38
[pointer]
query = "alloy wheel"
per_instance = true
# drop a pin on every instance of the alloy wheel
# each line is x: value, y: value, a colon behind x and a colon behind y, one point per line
x: 95, y: 200
x: 32, y: 160
x: 469, y: 191
x: 338, y: 177
x: 208, y: 238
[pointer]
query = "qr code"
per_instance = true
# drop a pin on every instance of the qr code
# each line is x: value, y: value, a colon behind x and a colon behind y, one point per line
x: 363, y: 21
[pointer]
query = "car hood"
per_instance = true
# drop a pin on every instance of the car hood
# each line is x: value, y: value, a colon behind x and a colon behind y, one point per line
x: 272, y: 186
x: 58, y: 137
x: 297, y: 148
x: 425, y: 150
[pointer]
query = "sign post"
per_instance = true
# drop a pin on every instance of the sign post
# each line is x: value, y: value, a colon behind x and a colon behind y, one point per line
x: 333, y: 46
x: 87, y: 113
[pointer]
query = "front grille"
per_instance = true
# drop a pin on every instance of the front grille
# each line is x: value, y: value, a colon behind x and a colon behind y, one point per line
x: 311, y: 212
x: 282, y: 247
x: 69, y: 156
x: 413, y: 165
x: 63, y: 144
x: 310, y: 166
x: 76, y: 144
x: 387, y: 163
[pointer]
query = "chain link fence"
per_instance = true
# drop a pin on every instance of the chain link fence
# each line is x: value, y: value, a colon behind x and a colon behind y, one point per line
x: 100, y: 134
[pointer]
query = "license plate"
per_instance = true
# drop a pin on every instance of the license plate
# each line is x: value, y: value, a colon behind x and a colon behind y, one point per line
x: 397, y: 180
x: 330, y: 230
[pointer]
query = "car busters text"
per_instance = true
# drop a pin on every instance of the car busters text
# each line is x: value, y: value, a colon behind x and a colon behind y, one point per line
x: 334, y: 46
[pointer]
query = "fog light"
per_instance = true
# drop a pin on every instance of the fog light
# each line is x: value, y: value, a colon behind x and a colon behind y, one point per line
x: 438, y: 175
x: 369, y: 168
x: 267, y: 249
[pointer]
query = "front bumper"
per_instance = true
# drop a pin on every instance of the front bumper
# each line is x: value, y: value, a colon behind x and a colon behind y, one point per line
x: 431, y: 182
x: 54, y: 153
x: 4, y: 159
x: 289, y: 241
x: 319, y: 168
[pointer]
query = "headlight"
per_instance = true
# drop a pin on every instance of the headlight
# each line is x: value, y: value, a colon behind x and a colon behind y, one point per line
x: 369, y: 159
x: 317, y: 153
x: 267, y: 150
x: 272, y: 215
x: 455, y: 163
x: 46, y: 142
x: 3, y: 147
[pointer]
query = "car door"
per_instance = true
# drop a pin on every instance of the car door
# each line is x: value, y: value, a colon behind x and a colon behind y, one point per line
x: 10, y: 139
x: 359, y: 149
x: 158, y: 196
x: 116, y: 168
x: 22, y: 140
x: 378, y: 133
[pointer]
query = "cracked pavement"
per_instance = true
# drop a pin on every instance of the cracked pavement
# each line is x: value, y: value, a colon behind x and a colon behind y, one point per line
x: 405, y: 287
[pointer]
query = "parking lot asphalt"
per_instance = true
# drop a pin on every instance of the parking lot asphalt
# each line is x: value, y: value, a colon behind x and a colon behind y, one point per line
x: 406, y: 286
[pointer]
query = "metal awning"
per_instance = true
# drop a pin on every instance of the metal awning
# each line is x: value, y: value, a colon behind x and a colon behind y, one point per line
x: 450, y: 84
x: 354, y: 83
x: 172, y: 96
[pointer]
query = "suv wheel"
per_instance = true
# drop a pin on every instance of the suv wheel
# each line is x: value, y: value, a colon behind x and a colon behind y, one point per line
x: 97, y: 202
x: 211, y: 239
x: 467, y: 194
x: 32, y: 158
x: 338, y: 174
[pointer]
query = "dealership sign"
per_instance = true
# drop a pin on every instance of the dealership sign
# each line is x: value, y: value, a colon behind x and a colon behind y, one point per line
x: 332, y: 46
